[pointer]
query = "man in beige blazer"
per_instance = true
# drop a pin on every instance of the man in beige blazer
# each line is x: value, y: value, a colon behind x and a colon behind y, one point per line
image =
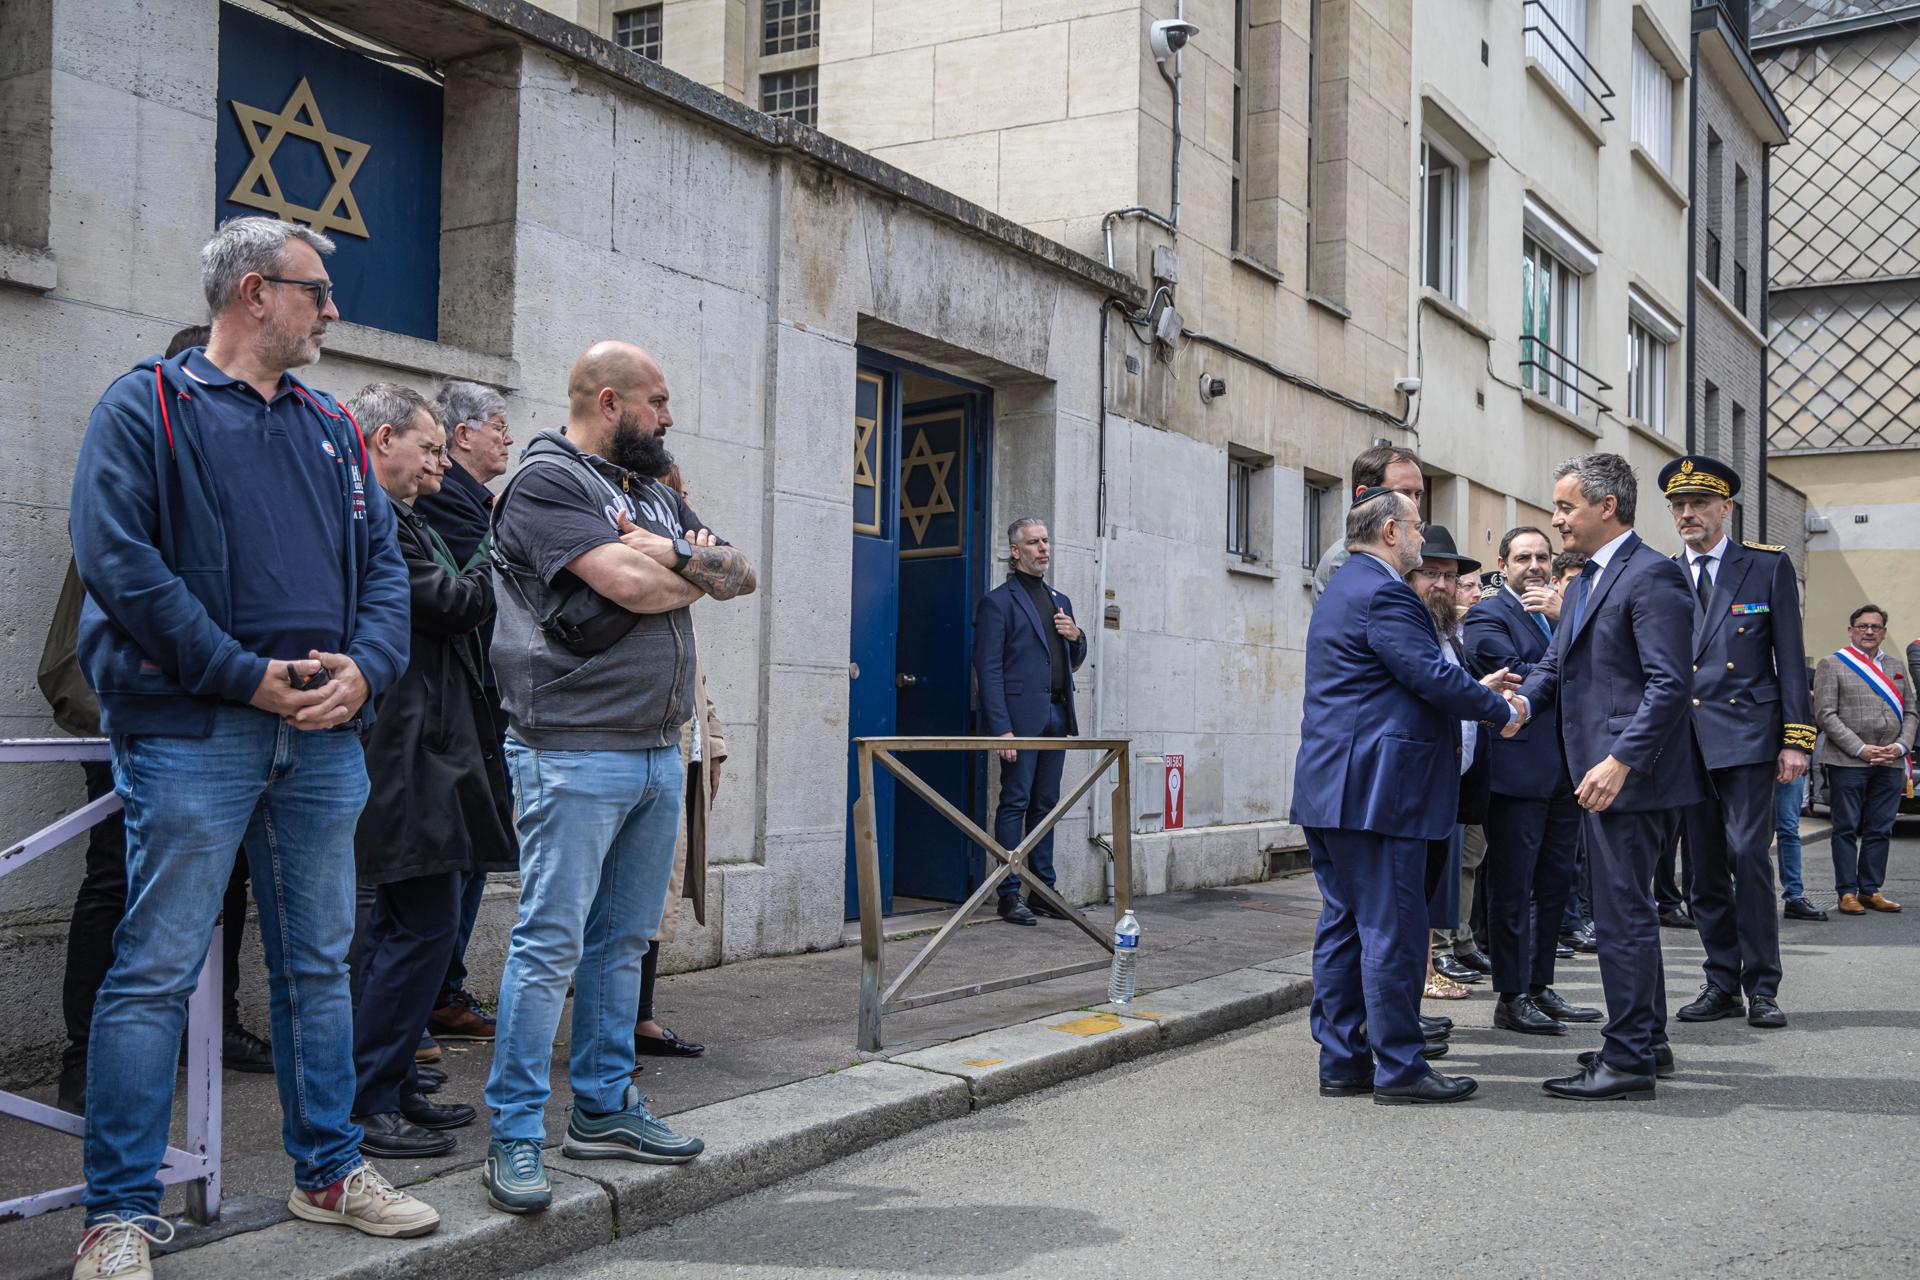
x: 1867, y: 713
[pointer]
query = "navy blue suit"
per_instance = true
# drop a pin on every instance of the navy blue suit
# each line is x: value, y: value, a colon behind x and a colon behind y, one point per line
x: 1621, y: 670
x: 1533, y: 829
x: 1744, y: 711
x: 1012, y: 663
x: 1377, y: 778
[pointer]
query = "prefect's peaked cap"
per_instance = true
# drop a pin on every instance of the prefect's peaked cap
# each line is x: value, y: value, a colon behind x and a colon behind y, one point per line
x: 1699, y: 473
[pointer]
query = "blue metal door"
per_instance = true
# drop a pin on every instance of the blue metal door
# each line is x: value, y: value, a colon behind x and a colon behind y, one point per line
x: 876, y: 611
x: 930, y: 856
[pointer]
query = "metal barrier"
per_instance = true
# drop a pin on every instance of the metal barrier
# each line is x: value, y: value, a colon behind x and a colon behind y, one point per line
x: 199, y: 1164
x: 873, y: 1003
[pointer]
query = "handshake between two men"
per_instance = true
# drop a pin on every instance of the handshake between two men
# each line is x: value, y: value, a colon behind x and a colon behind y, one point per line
x: 1602, y: 783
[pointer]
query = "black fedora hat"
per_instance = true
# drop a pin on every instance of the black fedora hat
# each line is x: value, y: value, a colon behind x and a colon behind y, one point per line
x: 1439, y: 546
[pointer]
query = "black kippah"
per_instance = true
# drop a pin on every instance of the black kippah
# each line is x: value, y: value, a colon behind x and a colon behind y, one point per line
x: 1368, y: 495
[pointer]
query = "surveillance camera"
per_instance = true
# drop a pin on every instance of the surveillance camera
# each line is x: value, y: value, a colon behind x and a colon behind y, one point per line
x: 1211, y: 387
x: 1407, y: 386
x: 1169, y: 35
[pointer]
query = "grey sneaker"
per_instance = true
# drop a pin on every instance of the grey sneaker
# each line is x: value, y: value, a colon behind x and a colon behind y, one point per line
x: 631, y: 1133
x: 516, y: 1176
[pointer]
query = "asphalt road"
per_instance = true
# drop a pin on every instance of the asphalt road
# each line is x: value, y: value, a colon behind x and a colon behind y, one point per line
x: 1771, y: 1154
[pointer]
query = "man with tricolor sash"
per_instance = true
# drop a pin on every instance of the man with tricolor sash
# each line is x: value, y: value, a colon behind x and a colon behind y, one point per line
x: 1754, y: 722
x: 1866, y: 710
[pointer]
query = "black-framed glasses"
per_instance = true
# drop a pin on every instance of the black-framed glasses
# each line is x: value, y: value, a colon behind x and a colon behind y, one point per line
x: 321, y: 291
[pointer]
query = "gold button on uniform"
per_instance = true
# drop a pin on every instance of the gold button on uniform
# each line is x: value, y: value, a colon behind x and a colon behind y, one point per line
x: 1696, y: 702
x: 1729, y: 666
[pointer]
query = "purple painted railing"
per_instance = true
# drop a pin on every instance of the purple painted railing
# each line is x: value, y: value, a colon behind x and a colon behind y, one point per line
x: 199, y: 1164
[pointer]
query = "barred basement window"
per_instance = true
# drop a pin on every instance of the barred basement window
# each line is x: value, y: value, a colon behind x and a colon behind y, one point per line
x: 788, y: 26
x: 639, y: 30
x: 792, y: 94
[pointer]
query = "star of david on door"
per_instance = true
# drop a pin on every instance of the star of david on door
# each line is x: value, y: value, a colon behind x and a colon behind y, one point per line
x: 259, y: 188
x: 923, y: 498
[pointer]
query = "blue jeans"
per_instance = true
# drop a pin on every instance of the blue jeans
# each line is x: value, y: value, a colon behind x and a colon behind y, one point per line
x: 1788, y: 799
x: 293, y: 797
x: 596, y: 833
x: 1029, y: 788
x: 1864, y: 803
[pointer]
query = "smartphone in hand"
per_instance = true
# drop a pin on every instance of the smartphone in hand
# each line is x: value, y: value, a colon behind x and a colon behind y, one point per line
x: 313, y: 681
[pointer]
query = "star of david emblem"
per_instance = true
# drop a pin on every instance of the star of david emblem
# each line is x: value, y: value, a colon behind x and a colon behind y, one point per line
x: 863, y: 477
x: 258, y: 188
x: 940, y: 500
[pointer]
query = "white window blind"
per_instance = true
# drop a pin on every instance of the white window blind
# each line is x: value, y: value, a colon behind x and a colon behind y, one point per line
x: 1652, y: 106
x: 1557, y: 41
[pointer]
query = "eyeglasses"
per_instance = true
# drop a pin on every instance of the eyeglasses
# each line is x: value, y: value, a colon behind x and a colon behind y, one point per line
x: 495, y: 424
x: 1439, y: 575
x: 1869, y: 626
x: 321, y: 291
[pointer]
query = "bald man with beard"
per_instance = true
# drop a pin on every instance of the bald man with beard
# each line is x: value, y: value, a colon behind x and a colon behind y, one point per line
x: 596, y: 564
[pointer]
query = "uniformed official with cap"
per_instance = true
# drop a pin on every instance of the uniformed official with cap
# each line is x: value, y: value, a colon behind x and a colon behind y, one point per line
x: 1754, y: 728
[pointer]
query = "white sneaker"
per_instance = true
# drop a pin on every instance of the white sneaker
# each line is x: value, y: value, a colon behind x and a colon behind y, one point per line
x: 118, y: 1247
x: 366, y: 1202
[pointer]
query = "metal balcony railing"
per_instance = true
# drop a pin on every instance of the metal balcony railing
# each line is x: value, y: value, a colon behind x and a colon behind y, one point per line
x: 1531, y: 351
x: 1556, y: 43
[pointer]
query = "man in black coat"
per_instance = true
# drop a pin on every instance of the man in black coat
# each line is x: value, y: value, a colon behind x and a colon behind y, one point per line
x: 1533, y: 824
x: 1026, y: 646
x: 431, y: 818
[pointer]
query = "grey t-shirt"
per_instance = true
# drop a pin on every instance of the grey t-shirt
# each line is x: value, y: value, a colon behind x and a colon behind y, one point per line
x: 637, y: 693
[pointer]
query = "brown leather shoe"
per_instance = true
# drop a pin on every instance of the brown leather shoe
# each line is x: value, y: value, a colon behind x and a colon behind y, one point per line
x: 459, y: 1022
x: 1850, y: 905
x: 1879, y: 902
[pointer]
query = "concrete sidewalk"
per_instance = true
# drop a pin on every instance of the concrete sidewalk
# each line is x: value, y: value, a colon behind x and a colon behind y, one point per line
x: 780, y: 1090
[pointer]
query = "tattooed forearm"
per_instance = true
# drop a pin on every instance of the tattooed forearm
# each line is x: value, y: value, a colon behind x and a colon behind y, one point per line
x: 721, y: 572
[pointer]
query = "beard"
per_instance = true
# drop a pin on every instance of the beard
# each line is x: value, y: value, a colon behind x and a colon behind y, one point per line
x: 1446, y: 618
x: 637, y: 449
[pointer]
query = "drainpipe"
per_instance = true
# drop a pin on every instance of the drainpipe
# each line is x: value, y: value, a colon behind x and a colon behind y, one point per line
x: 1100, y: 588
x: 1693, y: 214
x: 1172, y: 219
x: 1766, y: 311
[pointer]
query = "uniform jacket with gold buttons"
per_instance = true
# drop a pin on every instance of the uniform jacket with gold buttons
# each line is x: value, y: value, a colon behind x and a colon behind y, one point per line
x: 1750, y: 695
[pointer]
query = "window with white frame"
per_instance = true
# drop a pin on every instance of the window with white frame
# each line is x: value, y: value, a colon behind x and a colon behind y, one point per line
x: 1443, y: 223
x: 1549, y: 325
x: 1240, y: 507
x: 1652, y: 106
x: 1314, y: 511
x: 1557, y: 39
x: 1650, y: 341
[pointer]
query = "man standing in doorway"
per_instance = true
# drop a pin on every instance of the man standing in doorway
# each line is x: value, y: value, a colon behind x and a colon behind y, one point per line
x: 1026, y: 647
x: 1754, y: 723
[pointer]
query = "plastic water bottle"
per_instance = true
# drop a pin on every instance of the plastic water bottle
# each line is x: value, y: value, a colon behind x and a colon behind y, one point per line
x: 1126, y: 949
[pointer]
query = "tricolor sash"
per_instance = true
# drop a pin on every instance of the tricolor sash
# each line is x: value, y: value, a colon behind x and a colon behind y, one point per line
x: 1868, y: 670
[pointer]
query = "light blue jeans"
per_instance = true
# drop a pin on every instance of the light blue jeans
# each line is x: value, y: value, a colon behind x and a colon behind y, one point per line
x: 294, y: 797
x: 596, y: 832
x: 1788, y: 799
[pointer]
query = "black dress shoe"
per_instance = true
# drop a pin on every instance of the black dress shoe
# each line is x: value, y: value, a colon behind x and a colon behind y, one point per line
x: 241, y: 1050
x: 429, y: 1079
x: 1561, y: 951
x: 1582, y: 940
x: 1435, y: 1027
x: 1014, y: 911
x: 1041, y: 907
x: 72, y: 1096
x: 1475, y: 959
x: 1433, y: 1049
x: 430, y: 1115
x: 1801, y: 909
x: 392, y: 1136
x: 1763, y: 1012
x: 1674, y: 918
x: 1451, y: 966
x: 666, y: 1045
x: 1345, y: 1088
x: 1598, y: 1082
x: 1712, y: 1005
x: 1662, y: 1059
x: 1432, y: 1087
x: 1523, y: 1015
x: 1551, y: 1004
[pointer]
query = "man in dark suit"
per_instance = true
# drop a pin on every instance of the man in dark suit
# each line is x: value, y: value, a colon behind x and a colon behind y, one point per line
x: 1533, y: 824
x: 1377, y: 778
x: 1026, y: 647
x: 1620, y: 668
x: 1754, y: 728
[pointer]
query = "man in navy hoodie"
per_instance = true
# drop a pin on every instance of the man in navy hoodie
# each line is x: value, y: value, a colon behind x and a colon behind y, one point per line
x: 245, y: 598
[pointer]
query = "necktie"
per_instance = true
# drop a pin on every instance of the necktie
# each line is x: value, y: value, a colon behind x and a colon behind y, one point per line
x: 1703, y: 583
x: 1589, y: 575
x: 1545, y: 626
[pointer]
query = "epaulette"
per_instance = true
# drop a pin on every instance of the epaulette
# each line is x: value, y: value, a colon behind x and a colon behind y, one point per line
x: 1760, y: 546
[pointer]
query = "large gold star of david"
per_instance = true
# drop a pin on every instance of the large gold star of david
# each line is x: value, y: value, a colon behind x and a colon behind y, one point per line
x: 863, y: 477
x: 266, y: 130
x: 940, y: 501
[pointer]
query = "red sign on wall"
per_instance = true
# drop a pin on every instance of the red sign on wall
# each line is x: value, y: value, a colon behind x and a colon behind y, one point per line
x: 1176, y: 810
